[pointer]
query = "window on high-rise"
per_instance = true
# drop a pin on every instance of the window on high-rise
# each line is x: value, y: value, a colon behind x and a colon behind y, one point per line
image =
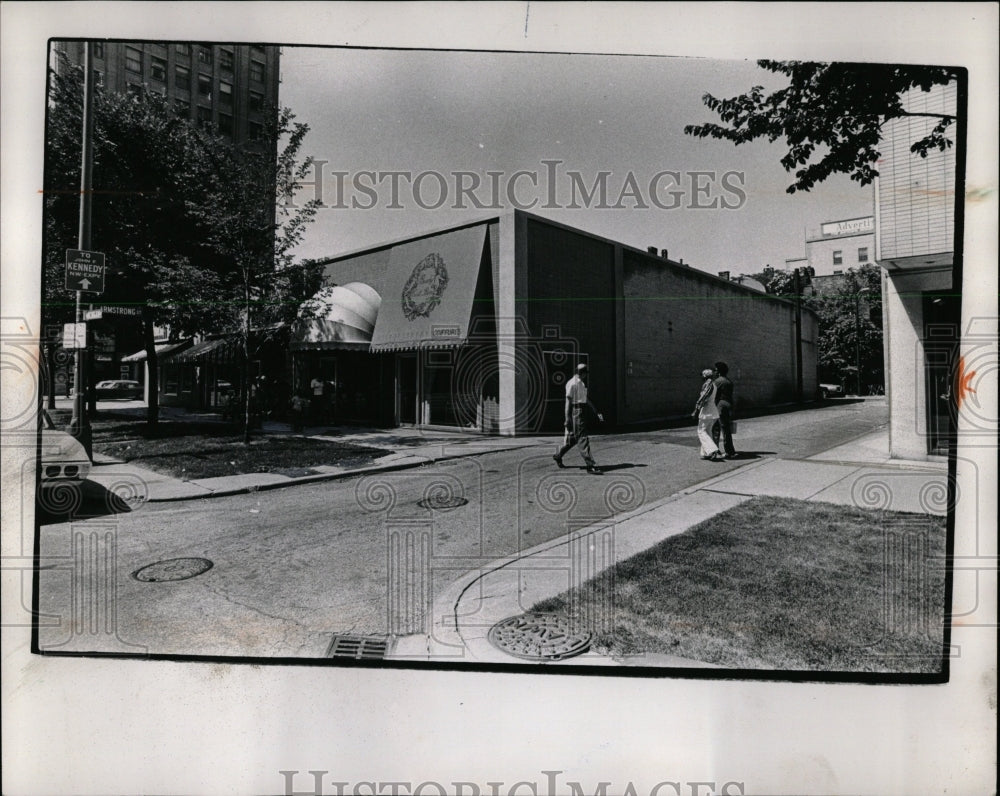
x: 838, y: 257
x: 134, y: 90
x: 183, y: 49
x: 205, y: 86
x: 205, y: 55
x: 225, y: 124
x: 204, y: 116
x: 182, y: 77
x: 226, y: 59
x: 256, y: 131
x: 98, y: 49
x: 182, y: 107
x: 225, y: 93
x: 133, y: 60
x: 158, y: 68
x: 257, y: 71
x: 256, y: 101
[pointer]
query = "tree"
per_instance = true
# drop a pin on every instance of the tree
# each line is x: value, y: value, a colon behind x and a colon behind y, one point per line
x: 149, y: 166
x: 849, y: 348
x: 830, y: 114
x: 254, y: 225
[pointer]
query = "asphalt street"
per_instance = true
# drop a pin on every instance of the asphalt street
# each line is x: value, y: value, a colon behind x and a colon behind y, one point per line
x: 363, y: 555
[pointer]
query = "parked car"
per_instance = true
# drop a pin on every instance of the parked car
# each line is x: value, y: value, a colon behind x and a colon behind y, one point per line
x: 831, y: 390
x: 63, y: 459
x: 118, y: 388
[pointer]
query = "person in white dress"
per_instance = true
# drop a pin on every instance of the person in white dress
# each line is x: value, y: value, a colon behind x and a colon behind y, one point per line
x: 708, y: 415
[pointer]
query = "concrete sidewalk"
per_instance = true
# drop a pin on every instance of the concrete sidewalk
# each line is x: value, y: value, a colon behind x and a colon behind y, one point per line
x: 859, y: 473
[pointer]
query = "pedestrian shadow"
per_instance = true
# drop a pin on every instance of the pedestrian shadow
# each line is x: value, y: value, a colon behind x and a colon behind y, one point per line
x: 78, y: 501
x: 623, y: 466
x: 746, y: 455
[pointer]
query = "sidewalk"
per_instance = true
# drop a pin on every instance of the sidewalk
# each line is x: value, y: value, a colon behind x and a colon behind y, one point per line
x: 859, y: 473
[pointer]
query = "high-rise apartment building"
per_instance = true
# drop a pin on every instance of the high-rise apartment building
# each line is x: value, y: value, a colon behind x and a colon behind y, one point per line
x: 229, y: 87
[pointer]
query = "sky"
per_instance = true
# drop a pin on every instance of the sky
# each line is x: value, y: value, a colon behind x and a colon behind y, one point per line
x: 382, y: 110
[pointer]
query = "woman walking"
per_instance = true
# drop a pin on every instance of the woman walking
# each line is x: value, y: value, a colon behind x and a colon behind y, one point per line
x: 708, y: 415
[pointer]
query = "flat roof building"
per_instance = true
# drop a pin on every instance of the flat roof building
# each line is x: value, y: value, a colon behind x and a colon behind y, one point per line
x: 480, y: 326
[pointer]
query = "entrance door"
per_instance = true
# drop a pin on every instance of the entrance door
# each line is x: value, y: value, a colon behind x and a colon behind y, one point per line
x: 407, y: 389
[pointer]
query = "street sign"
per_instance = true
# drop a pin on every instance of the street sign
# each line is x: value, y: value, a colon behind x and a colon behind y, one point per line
x: 93, y: 315
x: 85, y: 271
x: 74, y: 335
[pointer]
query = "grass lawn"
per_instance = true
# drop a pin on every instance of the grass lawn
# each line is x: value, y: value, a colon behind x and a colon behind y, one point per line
x: 191, y: 450
x: 779, y: 584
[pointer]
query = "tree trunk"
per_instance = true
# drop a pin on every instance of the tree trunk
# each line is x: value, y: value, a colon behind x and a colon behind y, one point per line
x: 51, y: 371
x: 152, y: 375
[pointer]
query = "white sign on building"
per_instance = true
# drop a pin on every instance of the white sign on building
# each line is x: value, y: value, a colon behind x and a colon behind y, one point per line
x: 852, y: 226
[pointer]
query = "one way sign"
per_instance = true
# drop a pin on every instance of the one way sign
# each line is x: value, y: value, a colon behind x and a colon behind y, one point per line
x: 85, y: 271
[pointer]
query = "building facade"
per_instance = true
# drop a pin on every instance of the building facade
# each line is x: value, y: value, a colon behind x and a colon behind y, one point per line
x: 480, y: 326
x: 228, y: 87
x: 834, y: 247
x: 915, y: 246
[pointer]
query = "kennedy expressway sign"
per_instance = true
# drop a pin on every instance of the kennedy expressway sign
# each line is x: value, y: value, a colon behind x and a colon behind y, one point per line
x: 85, y: 271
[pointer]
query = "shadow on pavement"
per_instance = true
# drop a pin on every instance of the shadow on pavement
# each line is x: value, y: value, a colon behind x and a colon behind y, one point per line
x: 68, y: 502
x: 624, y: 466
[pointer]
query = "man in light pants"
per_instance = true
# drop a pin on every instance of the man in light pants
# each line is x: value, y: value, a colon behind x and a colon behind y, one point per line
x: 576, y: 424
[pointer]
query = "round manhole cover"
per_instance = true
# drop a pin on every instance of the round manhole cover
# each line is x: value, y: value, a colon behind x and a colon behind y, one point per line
x: 538, y: 637
x: 442, y: 502
x: 173, y: 569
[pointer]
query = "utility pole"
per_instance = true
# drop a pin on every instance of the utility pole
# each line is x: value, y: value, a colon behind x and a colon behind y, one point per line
x: 797, y: 287
x: 80, y: 423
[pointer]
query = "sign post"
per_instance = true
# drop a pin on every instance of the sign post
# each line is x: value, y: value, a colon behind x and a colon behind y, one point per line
x: 79, y: 268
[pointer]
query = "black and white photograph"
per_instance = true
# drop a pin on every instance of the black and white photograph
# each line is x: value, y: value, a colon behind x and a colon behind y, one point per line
x: 588, y: 368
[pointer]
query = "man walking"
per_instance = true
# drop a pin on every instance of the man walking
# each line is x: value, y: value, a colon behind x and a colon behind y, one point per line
x: 576, y: 423
x: 724, y: 403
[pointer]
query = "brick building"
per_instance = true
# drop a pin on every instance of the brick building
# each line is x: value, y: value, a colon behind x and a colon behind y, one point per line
x: 227, y: 86
x: 479, y: 327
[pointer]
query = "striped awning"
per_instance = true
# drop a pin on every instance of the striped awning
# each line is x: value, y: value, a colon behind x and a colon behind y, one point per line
x: 429, y: 295
x: 207, y: 351
x: 162, y: 349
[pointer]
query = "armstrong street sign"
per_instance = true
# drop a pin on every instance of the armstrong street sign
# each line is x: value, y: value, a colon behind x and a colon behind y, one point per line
x: 85, y: 271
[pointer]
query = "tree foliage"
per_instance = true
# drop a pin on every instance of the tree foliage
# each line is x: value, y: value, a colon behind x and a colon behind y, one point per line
x: 830, y: 114
x: 850, y: 321
x: 187, y: 220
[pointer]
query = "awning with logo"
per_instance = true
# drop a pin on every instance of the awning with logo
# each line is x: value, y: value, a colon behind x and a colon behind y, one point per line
x: 162, y: 349
x: 427, y: 302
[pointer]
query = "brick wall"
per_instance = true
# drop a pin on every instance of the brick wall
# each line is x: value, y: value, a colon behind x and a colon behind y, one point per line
x: 679, y: 321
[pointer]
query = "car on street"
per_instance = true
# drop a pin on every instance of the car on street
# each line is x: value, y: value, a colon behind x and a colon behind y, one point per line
x: 118, y: 388
x: 63, y: 459
x: 831, y: 390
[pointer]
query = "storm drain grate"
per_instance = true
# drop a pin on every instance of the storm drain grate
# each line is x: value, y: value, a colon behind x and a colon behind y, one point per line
x: 172, y: 569
x: 539, y: 637
x: 373, y: 648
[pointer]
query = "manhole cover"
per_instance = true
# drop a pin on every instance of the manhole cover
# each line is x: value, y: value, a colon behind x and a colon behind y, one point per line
x: 441, y: 502
x: 173, y: 569
x: 538, y: 637
x: 358, y: 647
